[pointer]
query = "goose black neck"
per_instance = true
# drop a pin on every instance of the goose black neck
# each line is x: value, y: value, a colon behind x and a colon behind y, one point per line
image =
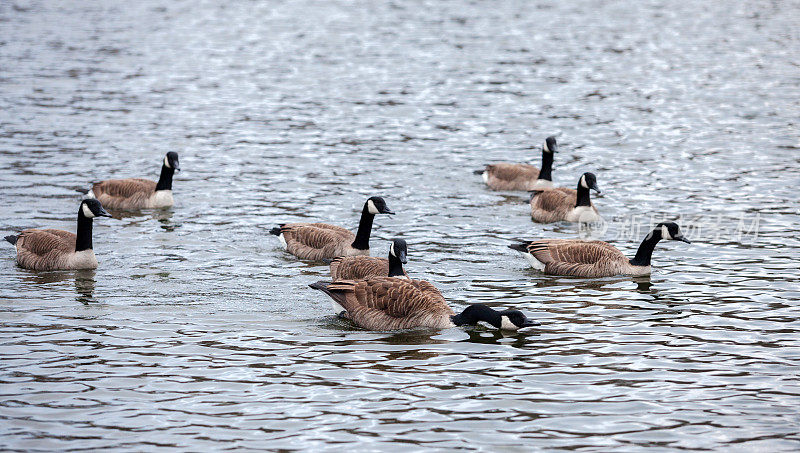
x: 476, y: 313
x: 395, y: 266
x: 84, y: 233
x: 645, y: 251
x: 546, y: 172
x: 165, y: 180
x: 583, y: 196
x: 364, y: 230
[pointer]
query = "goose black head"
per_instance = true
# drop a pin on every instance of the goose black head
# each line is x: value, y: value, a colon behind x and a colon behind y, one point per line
x: 376, y: 205
x: 399, y: 250
x: 589, y: 181
x: 91, y: 208
x: 670, y: 231
x: 550, y: 145
x: 505, y: 319
x: 171, y: 161
x: 514, y: 320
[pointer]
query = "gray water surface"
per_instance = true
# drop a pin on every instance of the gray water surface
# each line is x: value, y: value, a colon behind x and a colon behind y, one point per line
x: 198, y: 331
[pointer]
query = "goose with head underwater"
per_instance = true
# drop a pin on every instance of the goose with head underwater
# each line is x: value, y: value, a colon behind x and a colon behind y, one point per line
x: 50, y: 249
x: 392, y: 303
x: 317, y: 241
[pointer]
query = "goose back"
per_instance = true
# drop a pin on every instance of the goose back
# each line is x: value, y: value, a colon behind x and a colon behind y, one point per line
x: 359, y: 267
x: 579, y: 258
x: 390, y: 303
x: 508, y: 176
x: 316, y: 241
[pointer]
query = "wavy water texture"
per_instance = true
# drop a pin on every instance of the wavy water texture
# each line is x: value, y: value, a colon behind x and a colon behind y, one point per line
x: 198, y: 331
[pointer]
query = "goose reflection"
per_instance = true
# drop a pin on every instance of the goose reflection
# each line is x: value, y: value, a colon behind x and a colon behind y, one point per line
x: 162, y: 215
x: 84, y: 286
x: 492, y: 336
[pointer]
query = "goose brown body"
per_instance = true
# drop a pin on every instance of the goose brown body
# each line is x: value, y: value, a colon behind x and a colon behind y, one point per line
x: 131, y: 194
x: 316, y: 241
x: 359, y: 267
x: 508, y: 176
x: 558, y: 205
x: 581, y: 258
x: 49, y: 249
x: 390, y: 303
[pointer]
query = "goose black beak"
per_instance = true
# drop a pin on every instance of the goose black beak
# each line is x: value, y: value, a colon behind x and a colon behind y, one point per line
x: 402, y: 257
x: 529, y: 323
x: 682, y: 239
x: 103, y: 213
x: 387, y: 211
x: 595, y: 188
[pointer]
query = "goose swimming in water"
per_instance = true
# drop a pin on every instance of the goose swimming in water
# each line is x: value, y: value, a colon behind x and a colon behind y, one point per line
x: 580, y: 258
x: 317, y: 241
x: 50, y: 249
x: 137, y: 193
x: 391, y: 303
x: 562, y: 204
x: 508, y: 176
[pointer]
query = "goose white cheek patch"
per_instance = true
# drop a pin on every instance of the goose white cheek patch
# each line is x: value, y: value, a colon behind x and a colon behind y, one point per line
x: 371, y: 207
x: 87, y: 212
x: 166, y: 163
x: 506, y: 324
x: 665, y: 232
x: 583, y: 182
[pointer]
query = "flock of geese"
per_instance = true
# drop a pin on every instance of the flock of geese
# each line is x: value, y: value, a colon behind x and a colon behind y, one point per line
x: 376, y: 293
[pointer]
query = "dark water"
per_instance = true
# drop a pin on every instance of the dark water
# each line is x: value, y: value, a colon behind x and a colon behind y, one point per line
x: 197, y: 331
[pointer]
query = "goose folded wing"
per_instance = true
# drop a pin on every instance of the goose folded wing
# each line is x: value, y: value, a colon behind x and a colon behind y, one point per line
x: 315, y: 236
x: 124, y: 187
x: 510, y: 172
x: 553, y: 200
x: 41, y: 242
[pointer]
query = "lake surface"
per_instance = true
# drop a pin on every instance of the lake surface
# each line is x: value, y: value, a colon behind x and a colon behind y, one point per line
x: 199, y: 332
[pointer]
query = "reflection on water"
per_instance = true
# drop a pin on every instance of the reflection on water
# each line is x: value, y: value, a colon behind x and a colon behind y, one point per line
x: 198, y: 332
x: 84, y: 286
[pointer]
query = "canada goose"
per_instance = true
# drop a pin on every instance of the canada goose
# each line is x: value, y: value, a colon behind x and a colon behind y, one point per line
x: 49, y: 250
x: 315, y: 241
x: 362, y: 267
x: 559, y: 204
x: 390, y: 303
x: 137, y: 193
x: 507, y: 176
x: 595, y: 258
